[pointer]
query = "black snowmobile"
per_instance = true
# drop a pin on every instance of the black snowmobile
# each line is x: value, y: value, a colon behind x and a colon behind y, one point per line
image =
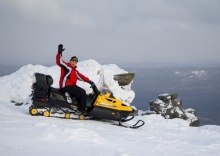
x: 47, y: 100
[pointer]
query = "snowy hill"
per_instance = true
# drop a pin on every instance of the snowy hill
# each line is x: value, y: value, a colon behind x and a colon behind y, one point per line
x: 23, y: 134
x: 17, y: 86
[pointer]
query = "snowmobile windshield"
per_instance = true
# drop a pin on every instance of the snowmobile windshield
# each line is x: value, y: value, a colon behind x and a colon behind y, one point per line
x: 104, y: 90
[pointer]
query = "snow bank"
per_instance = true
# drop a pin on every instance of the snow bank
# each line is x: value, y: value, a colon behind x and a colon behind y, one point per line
x: 17, y: 86
x: 22, y: 134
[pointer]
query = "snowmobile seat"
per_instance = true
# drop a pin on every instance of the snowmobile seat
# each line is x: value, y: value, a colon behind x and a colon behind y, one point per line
x: 42, y: 88
x: 49, y: 80
x: 55, y: 93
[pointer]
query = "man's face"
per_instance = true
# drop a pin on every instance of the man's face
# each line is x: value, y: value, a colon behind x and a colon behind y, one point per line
x: 73, y: 63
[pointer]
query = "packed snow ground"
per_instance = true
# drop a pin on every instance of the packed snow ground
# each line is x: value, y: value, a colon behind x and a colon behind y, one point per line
x: 22, y: 134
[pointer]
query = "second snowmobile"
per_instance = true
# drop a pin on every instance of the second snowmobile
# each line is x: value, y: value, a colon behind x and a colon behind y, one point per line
x: 47, y: 100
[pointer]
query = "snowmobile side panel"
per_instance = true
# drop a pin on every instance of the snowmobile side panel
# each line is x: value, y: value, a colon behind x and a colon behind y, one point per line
x: 111, y: 103
x: 40, y: 102
x: 109, y: 114
x: 59, y: 103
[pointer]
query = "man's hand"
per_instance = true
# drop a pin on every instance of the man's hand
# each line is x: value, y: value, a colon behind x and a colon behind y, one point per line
x: 60, y: 48
x: 91, y: 83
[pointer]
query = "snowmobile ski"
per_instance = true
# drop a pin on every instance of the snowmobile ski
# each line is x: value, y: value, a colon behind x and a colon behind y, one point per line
x: 127, y: 119
x: 138, y: 124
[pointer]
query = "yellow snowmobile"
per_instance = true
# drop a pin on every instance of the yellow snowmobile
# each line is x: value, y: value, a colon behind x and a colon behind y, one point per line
x: 47, y: 100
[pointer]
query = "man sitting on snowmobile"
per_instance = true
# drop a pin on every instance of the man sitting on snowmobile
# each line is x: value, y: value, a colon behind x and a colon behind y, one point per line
x: 68, y: 79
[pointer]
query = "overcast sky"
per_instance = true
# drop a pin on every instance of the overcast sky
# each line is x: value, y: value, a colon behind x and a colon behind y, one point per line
x: 111, y: 31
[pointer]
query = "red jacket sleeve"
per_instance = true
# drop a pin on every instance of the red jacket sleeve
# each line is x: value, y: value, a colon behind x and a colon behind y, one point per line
x: 58, y: 58
x: 81, y: 77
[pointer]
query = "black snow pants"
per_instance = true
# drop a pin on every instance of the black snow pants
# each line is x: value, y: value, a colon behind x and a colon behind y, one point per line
x: 79, y: 93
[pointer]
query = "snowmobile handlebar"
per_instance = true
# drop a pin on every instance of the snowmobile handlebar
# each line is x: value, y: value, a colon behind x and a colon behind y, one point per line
x: 95, y: 89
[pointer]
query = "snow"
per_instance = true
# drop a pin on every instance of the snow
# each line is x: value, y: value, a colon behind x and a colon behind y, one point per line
x: 23, y: 134
x: 192, y: 74
x: 21, y: 81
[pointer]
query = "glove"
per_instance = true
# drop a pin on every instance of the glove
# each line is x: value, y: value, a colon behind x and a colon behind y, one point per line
x: 91, y: 83
x: 60, y: 49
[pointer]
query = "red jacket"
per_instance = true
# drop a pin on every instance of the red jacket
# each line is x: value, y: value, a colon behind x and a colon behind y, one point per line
x: 69, y: 75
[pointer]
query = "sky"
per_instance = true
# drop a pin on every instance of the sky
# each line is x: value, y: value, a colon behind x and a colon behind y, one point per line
x: 132, y: 32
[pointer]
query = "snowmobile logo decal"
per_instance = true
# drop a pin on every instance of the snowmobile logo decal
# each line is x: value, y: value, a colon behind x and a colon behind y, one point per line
x: 106, y: 105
